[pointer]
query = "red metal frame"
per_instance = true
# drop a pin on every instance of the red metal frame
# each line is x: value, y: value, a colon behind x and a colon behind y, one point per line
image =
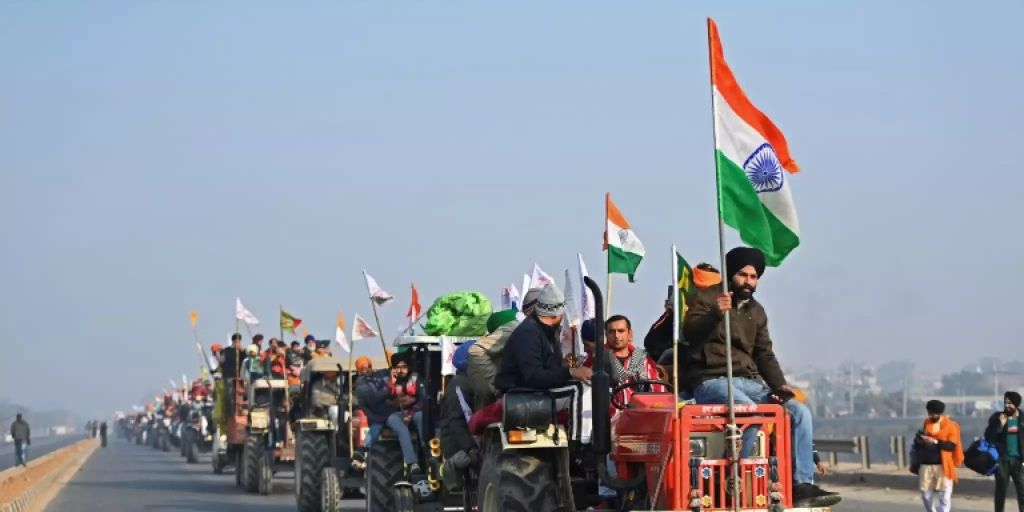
x: 646, y: 435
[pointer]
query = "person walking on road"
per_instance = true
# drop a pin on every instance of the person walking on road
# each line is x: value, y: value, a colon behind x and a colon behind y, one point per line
x: 1004, y: 431
x: 941, y: 452
x: 103, y: 434
x: 22, y: 435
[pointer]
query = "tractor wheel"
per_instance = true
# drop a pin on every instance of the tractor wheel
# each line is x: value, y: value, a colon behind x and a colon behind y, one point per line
x: 330, y: 491
x: 384, y: 468
x: 192, y: 449
x: 522, y: 481
x: 312, y: 458
x: 165, y: 445
x: 253, y: 452
x: 183, y: 442
x: 239, y: 476
x: 266, y: 474
x: 404, y: 500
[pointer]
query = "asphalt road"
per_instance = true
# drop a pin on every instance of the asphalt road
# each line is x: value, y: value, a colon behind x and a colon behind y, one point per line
x: 129, y: 478
x: 40, y: 446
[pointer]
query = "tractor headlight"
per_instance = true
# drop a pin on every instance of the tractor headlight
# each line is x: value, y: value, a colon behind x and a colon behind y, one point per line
x: 332, y: 413
x: 699, y: 448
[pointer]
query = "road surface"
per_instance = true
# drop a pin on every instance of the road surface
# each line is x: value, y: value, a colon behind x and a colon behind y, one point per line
x: 40, y: 446
x: 127, y: 478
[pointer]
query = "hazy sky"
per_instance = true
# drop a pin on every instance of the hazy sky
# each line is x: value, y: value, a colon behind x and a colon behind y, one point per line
x: 162, y: 156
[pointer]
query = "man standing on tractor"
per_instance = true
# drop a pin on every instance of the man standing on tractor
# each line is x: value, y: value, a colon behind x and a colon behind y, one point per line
x: 757, y: 375
x: 457, y: 444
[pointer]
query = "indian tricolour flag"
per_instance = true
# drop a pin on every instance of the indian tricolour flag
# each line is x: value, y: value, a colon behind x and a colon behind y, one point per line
x: 624, y: 249
x: 753, y: 163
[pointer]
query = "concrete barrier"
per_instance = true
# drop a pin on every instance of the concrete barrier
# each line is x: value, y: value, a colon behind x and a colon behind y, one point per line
x: 45, y: 486
x: 888, y: 476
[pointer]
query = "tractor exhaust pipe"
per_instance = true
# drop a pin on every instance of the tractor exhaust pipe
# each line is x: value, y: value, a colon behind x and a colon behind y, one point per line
x: 601, y: 394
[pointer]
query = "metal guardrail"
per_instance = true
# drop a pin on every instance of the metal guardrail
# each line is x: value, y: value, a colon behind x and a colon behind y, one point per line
x: 834, y: 447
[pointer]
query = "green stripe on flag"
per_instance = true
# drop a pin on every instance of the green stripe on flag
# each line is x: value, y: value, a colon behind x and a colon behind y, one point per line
x: 622, y: 262
x: 742, y: 209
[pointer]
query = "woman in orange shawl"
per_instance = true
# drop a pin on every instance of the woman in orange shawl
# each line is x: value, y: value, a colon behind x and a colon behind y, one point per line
x: 941, y: 452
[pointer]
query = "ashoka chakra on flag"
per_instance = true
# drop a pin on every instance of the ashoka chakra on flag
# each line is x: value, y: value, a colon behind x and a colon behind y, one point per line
x: 764, y: 170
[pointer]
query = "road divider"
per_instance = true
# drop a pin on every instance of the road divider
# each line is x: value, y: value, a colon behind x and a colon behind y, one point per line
x: 27, y: 489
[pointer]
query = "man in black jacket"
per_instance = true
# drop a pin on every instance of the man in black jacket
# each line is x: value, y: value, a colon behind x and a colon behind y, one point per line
x: 533, y: 354
x: 231, y: 370
x: 1004, y: 431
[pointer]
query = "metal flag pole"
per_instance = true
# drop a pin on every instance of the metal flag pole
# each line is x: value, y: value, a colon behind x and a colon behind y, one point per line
x: 376, y: 317
x: 677, y: 452
x: 608, y: 258
x: 280, y: 321
x: 351, y: 378
x: 733, y: 434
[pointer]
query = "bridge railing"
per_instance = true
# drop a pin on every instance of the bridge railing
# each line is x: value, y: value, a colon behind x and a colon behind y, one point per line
x: 859, y: 445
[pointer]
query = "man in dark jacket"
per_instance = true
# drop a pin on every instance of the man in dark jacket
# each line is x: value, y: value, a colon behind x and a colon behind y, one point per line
x: 1004, y: 431
x: 22, y: 435
x: 457, y: 444
x: 533, y: 354
x: 757, y: 375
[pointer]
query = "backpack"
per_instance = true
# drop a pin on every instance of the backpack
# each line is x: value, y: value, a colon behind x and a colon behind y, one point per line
x: 982, y: 457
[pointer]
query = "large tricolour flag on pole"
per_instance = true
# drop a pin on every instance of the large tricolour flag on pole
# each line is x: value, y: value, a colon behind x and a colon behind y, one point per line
x: 753, y: 163
x: 624, y: 249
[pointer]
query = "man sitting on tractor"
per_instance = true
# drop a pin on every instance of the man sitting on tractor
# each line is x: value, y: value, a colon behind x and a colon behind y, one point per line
x: 757, y: 375
x: 533, y: 360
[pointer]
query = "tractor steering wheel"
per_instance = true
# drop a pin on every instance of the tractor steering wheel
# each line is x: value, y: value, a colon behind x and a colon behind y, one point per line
x: 641, y: 385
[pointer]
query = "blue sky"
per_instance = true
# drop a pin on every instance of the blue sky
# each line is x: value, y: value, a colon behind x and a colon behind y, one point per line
x: 158, y: 157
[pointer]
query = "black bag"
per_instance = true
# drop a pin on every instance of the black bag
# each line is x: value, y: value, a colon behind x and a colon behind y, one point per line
x: 915, y: 458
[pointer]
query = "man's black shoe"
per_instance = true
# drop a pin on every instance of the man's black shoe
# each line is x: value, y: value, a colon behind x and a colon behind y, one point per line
x: 810, y: 495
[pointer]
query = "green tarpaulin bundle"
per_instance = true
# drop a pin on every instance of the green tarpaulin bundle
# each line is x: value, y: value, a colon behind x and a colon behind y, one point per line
x: 458, y: 314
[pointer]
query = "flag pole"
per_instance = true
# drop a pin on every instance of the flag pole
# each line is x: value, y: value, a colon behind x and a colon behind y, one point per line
x: 608, y: 259
x: 202, y: 355
x: 677, y: 452
x: 734, y: 436
x: 351, y: 377
x: 376, y: 317
x: 280, y: 317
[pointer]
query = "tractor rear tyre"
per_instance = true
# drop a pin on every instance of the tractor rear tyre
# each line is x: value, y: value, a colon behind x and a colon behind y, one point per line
x: 330, y: 490
x: 312, y: 458
x: 384, y: 468
x: 239, y: 476
x: 192, y: 450
x: 404, y: 500
x: 165, y: 445
x: 266, y: 474
x: 253, y: 452
x: 522, y: 481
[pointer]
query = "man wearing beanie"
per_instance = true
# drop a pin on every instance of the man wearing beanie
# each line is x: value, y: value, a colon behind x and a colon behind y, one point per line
x: 1004, y: 431
x: 757, y: 375
x: 533, y: 359
x: 941, y: 452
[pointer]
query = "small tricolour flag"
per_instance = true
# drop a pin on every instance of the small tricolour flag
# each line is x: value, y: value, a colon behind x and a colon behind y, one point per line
x: 752, y: 160
x: 289, y: 322
x: 361, y: 329
x: 625, y: 252
x: 339, y: 333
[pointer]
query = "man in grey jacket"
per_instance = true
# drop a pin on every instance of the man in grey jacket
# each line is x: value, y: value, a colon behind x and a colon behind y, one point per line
x: 22, y: 435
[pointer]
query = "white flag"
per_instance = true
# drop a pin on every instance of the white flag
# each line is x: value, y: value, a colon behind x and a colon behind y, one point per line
x: 510, y: 298
x: 587, y: 310
x: 571, y: 322
x: 361, y: 329
x: 339, y: 333
x: 377, y: 294
x: 447, y: 353
x: 526, y: 287
x: 244, y: 314
x: 540, y: 278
